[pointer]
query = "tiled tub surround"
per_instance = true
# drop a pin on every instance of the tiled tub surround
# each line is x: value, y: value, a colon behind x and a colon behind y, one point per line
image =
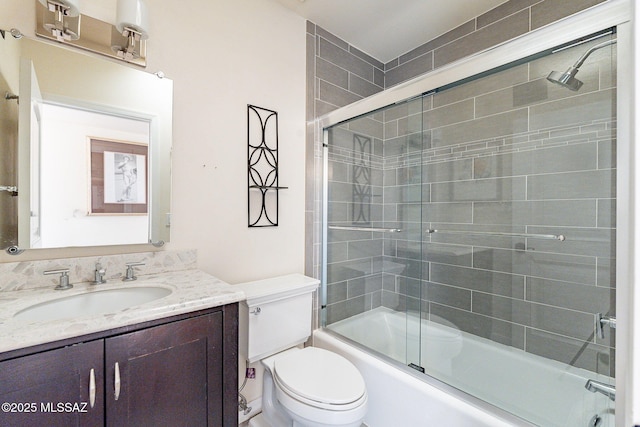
x: 507, y: 153
x: 339, y: 74
x: 192, y: 290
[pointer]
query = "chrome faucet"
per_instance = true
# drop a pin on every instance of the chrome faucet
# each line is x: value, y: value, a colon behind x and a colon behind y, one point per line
x: 130, y: 273
x: 598, y: 387
x: 64, y: 278
x: 99, y: 274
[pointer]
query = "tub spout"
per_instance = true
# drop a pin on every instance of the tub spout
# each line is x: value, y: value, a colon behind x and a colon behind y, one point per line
x: 598, y: 387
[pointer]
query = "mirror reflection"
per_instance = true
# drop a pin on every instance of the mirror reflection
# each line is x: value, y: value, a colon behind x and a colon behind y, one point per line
x: 85, y: 149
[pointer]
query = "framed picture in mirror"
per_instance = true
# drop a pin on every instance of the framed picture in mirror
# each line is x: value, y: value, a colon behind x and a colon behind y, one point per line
x: 118, y: 182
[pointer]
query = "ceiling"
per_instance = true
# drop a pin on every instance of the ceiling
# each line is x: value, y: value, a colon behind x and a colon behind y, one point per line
x: 385, y: 29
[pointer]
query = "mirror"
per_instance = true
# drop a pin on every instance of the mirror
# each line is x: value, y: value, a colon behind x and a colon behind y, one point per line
x: 88, y: 146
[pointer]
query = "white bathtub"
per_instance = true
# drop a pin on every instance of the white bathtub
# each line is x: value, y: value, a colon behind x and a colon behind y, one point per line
x: 524, y: 386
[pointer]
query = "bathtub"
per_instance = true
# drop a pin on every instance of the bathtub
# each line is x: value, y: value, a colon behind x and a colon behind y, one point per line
x: 487, y: 384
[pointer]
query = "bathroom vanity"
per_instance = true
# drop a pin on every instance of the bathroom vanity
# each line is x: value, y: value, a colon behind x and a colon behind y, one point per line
x: 169, y: 362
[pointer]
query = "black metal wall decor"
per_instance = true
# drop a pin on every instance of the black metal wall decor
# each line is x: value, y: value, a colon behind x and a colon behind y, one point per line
x: 361, y: 179
x: 262, y: 143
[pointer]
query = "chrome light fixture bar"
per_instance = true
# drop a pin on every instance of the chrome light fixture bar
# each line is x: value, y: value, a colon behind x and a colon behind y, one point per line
x: 124, y: 40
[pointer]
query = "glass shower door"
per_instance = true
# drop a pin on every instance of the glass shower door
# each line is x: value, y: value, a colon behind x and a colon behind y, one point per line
x: 520, y: 235
x: 374, y: 233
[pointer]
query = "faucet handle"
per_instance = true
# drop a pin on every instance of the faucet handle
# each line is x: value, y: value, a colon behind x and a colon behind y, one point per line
x: 130, y: 273
x: 99, y: 274
x: 64, y: 278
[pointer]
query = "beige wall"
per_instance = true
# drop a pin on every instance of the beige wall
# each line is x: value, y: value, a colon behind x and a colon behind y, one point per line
x: 221, y: 55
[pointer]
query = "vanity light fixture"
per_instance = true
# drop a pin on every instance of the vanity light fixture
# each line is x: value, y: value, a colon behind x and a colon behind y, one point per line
x: 132, y: 23
x: 62, y: 19
x: 124, y: 39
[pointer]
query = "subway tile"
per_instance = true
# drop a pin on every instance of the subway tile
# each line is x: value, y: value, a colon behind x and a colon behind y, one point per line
x: 342, y: 58
x: 408, y: 70
x: 362, y: 87
x: 572, y: 185
x: 410, y: 125
x: 496, y: 330
x: 331, y: 73
x: 454, y: 170
x: 447, y: 254
x: 409, y: 175
x: 568, y: 268
x: 571, y: 351
x: 493, y: 82
x: 576, y: 109
x: 403, y: 194
x: 493, y: 282
x: 460, y: 31
x: 503, y: 124
x: 606, y: 272
x: 606, y: 213
x: 480, y: 190
x: 335, y: 95
x: 572, y: 213
x: 365, y: 248
x: 337, y: 252
x: 310, y: 114
x: 550, y: 11
x: 368, y: 58
x: 367, y: 126
x: 491, y: 35
x: 547, y: 318
x: 448, y: 295
x: 585, y: 298
x: 337, y: 41
x: 336, y: 292
x: 503, y: 10
x: 573, y: 157
x: 448, y: 114
x: 607, y: 153
x: 447, y: 212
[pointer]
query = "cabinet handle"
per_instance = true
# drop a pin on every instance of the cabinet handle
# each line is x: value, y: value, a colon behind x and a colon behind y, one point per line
x: 92, y: 387
x: 117, y: 381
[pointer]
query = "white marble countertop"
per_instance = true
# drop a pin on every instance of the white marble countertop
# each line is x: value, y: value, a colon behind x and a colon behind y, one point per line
x: 192, y: 290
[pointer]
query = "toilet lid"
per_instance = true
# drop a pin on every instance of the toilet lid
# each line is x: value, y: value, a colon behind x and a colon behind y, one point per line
x: 320, y: 375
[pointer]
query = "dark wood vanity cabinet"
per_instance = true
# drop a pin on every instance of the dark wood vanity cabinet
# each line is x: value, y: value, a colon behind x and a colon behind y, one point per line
x: 176, y: 372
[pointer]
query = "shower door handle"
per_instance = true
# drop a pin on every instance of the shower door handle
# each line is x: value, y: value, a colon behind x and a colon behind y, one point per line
x: 604, y: 320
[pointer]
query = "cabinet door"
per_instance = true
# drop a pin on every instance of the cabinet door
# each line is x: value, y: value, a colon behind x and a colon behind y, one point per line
x: 53, y: 388
x: 169, y: 375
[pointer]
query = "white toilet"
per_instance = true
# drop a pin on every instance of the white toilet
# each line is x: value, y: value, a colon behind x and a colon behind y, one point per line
x: 302, y: 387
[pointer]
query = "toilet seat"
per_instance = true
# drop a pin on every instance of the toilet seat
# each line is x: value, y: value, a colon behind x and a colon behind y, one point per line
x: 320, y: 378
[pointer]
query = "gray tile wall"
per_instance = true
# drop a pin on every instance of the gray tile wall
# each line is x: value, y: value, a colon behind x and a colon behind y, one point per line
x: 541, y: 167
x: 338, y: 74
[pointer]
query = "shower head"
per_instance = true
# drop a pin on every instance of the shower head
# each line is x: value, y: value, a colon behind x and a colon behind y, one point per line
x: 568, y: 78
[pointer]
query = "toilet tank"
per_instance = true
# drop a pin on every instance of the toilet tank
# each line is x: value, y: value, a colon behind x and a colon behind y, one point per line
x: 276, y: 315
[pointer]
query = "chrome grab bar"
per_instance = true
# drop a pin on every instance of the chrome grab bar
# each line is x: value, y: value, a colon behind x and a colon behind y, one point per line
x: 374, y: 229
x: 559, y: 237
x: 598, y: 387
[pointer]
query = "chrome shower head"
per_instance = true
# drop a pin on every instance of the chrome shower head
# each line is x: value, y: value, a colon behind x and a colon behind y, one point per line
x: 568, y: 78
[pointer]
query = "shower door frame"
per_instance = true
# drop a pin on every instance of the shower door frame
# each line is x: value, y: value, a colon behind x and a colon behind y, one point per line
x: 613, y: 13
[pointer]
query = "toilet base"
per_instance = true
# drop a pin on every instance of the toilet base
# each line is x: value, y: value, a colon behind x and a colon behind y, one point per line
x: 259, y: 421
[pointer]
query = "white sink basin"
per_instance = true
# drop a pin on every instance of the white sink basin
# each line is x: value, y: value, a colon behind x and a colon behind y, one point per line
x: 91, y: 303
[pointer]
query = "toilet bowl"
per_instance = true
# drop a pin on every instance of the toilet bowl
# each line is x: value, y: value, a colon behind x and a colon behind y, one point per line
x: 309, y: 387
x: 318, y: 388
